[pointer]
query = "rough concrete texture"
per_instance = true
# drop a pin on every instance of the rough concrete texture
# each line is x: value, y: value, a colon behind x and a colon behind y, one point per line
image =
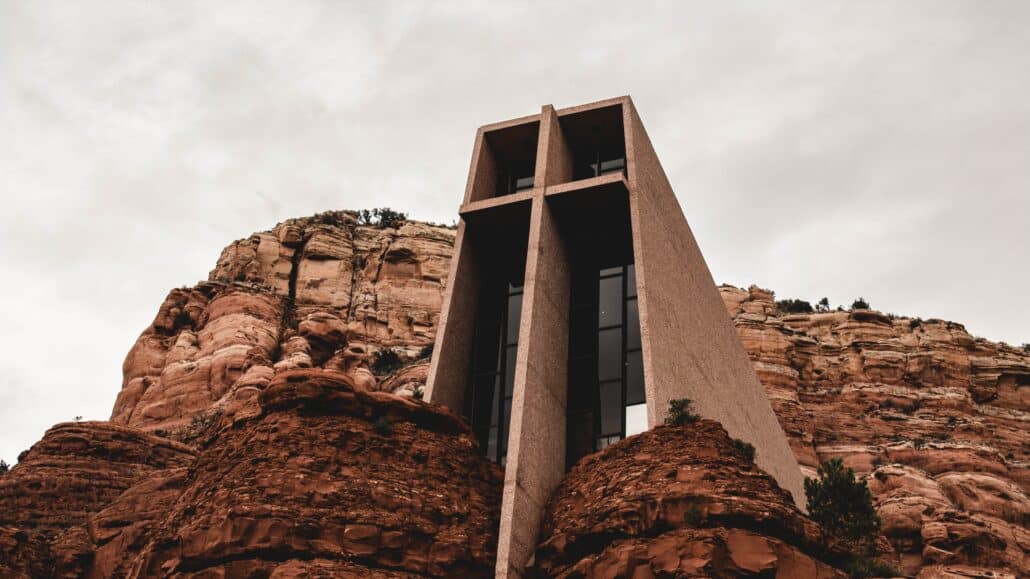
x: 536, y: 453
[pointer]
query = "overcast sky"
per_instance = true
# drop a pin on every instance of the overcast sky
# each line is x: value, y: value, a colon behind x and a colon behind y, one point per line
x: 876, y: 149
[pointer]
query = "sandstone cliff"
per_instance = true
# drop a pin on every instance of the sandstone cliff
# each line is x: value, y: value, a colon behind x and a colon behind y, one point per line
x: 935, y: 417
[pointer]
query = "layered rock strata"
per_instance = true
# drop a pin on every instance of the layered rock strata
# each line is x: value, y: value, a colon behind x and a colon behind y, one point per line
x: 77, y: 469
x: 678, y: 501
x: 937, y: 418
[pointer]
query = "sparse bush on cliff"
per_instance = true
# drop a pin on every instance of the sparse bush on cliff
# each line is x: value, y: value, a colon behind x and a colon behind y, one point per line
x: 4, y: 467
x: 382, y: 217
x: 680, y: 412
x: 793, y: 306
x: 746, y: 448
x: 842, y: 505
x: 385, y: 362
x: 383, y: 426
x: 418, y: 393
x: 823, y: 305
x: 426, y: 352
x: 860, y: 304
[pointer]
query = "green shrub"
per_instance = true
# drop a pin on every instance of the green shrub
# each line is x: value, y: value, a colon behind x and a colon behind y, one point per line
x: 425, y: 352
x: 860, y: 304
x: 867, y: 568
x: 823, y: 305
x: 680, y: 412
x: 418, y: 393
x: 842, y: 505
x: 385, y: 362
x: 793, y: 306
x: 4, y: 467
x: 382, y: 217
x: 746, y: 448
x: 383, y: 426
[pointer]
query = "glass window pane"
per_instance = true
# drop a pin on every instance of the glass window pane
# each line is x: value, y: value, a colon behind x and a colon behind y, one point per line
x: 611, y: 271
x: 611, y: 407
x: 582, y: 332
x: 632, y: 325
x: 496, y: 398
x: 523, y: 183
x: 509, y: 369
x: 609, y: 308
x: 634, y: 378
x: 507, y: 416
x: 636, y: 419
x: 483, y: 399
x: 581, y: 383
x: 609, y: 354
x: 631, y: 281
x: 491, y: 444
x: 514, y: 316
x: 606, y: 441
x: 612, y: 165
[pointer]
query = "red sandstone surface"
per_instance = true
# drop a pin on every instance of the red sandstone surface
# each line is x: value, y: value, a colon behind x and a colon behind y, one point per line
x: 217, y: 461
x: 678, y: 501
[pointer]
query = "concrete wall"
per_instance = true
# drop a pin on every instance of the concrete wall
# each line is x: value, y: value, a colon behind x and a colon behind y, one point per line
x: 448, y: 368
x: 691, y: 349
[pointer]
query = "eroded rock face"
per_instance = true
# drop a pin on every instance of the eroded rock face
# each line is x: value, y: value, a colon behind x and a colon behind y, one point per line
x: 678, y: 501
x: 77, y: 469
x: 287, y: 298
x: 329, y: 479
x: 937, y: 418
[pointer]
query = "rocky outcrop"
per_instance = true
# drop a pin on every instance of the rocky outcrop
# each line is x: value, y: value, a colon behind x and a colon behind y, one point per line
x: 678, y: 501
x: 334, y: 474
x: 24, y: 555
x: 287, y: 298
x: 77, y: 469
x: 327, y: 479
x: 935, y: 417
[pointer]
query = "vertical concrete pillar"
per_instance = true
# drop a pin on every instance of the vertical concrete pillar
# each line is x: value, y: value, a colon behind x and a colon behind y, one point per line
x: 536, y: 452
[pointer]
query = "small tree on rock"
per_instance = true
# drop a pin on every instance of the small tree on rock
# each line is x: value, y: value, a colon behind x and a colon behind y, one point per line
x: 860, y: 304
x: 680, y: 412
x: 823, y: 305
x: 842, y: 505
x: 4, y: 467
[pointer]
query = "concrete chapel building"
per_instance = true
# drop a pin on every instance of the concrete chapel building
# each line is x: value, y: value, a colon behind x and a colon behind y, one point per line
x: 579, y: 305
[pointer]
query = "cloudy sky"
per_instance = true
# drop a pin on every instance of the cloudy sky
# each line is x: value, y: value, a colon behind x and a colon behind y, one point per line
x: 876, y: 149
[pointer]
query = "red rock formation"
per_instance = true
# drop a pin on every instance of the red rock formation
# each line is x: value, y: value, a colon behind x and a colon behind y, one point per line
x: 78, y: 469
x: 24, y: 555
x: 936, y: 417
x: 328, y: 479
x: 287, y: 298
x: 678, y: 501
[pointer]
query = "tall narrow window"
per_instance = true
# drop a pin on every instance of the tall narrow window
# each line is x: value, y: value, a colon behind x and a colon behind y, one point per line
x: 599, y: 155
x: 493, y: 366
x: 606, y: 373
